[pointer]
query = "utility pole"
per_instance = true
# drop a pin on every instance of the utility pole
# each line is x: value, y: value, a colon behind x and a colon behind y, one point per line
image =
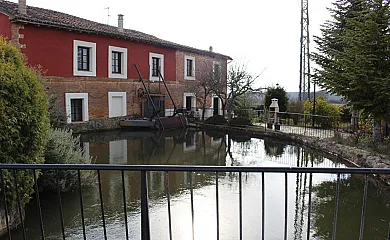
x: 304, y: 79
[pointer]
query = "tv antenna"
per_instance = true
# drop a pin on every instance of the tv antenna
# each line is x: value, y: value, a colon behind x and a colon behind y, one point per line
x: 108, y: 15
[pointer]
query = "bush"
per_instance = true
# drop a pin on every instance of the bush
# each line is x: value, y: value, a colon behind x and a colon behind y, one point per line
x: 240, y: 121
x: 64, y: 148
x: 329, y: 113
x: 24, y: 121
x: 217, y: 119
x: 57, y: 114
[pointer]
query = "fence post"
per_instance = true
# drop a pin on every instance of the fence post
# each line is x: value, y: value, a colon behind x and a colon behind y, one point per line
x: 145, y: 228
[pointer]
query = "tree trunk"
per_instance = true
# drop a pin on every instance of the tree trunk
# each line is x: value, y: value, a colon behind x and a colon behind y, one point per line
x: 377, y: 136
x: 204, y: 105
x: 230, y: 110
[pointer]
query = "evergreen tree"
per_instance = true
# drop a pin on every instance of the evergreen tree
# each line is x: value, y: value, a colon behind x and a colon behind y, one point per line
x: 279, y: 93
x: 353, y: 56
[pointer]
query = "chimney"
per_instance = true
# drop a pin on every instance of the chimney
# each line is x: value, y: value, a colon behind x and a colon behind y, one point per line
x: 211, y: 48
x: 120, y: 22
x: 22, y: 7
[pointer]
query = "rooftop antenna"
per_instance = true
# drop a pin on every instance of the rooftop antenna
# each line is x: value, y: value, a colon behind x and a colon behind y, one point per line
x: 108, y: 15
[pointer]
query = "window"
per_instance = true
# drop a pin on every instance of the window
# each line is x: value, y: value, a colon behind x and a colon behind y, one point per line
x: 189, y: 68
x: 155, y: 66
x: 76, y: 110
x: 156, y: 62
x: 84, y: 58
x: 117, y: 62
x: 217, y: 70
x: 83, y: 62
x: 76, y: 107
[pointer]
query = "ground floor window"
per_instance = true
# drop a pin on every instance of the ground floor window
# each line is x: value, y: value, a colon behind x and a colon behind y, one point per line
x: 76, y: 106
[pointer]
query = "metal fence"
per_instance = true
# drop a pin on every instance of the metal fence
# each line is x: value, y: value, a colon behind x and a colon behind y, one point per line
x: 144, y: 170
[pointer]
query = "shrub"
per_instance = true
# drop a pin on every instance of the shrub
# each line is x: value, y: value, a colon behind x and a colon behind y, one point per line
x: 64, y: 148
x: 24, y: 121
x: 217, y: 119
x: 329, y: 113
x: 240, y: 121
x: 57, y: 114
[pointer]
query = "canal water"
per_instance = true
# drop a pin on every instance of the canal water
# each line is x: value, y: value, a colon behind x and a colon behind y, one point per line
x: 211, y: 149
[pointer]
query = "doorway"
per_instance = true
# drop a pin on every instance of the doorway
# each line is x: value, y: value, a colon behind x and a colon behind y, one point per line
x: 215, y: 106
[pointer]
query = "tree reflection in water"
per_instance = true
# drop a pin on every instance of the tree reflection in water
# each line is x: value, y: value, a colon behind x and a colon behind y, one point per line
x: 350, y: 202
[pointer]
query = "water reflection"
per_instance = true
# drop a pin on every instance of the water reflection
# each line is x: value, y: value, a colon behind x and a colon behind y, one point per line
x: 208, y: 148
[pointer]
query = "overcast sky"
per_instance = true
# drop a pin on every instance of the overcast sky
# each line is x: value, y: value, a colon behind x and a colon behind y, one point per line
x: 263, y: 34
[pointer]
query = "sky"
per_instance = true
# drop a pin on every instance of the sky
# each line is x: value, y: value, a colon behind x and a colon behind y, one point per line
x: 264, y: 35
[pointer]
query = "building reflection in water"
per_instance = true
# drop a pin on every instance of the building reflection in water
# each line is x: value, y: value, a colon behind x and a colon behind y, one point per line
x: 205, y: 148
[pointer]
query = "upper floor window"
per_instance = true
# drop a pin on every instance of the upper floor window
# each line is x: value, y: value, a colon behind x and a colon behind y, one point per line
x: 189, y: 68
x: 156, y: 64
x: 217, y: 70
x: 117, y: 62
x: 84, y: 58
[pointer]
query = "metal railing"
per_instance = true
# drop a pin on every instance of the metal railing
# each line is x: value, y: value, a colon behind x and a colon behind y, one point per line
x: 145, y: 169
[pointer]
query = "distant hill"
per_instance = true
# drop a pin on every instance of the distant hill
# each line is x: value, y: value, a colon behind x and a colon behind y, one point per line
x: 331, y: 98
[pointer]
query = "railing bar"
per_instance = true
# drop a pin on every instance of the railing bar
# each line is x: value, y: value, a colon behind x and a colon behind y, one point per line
x: 19, y: 204
x: 262, y: 206
x: 336, y: 209
x: 169, y: 206
x: 388, y: 238
x: 5, y: 204
x: 285, y: 204
x: 60, y: 205
x: 145, y: 226
x: 38, y: 205
x: 192, y: 207
x: 309, y: 206
x: 363, y: 208
x: 217, y: 202
x: 81, y: 204
x: 240, y: 200
x: 101, y: 205
x: 124, y: 203
x: 196, y: 168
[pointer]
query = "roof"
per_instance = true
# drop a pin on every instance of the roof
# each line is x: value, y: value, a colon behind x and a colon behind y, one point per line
x: 50, y: 18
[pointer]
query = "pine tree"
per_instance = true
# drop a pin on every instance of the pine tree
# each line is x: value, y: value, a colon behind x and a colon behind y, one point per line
x: 353, y: 56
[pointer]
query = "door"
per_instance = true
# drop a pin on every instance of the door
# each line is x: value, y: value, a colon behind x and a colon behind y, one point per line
x: 188, y: 103
x: 215, y: 106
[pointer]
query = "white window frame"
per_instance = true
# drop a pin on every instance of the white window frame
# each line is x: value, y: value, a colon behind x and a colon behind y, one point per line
x: 193, y: 102
x: 92, y: 58
x: 68, y: 98
x: 185, y: 68
x: 123, y: 74
x: 124, y: 103
x: 220, y: 70
x: 151, y: 56
x: 191, y: 147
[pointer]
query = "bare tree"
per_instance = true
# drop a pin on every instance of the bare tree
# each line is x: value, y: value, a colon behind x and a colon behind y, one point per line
x: 239, y: 82
x: 202, y: 86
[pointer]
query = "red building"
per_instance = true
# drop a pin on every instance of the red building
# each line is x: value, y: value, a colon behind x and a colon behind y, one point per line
x: 90, y: 66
